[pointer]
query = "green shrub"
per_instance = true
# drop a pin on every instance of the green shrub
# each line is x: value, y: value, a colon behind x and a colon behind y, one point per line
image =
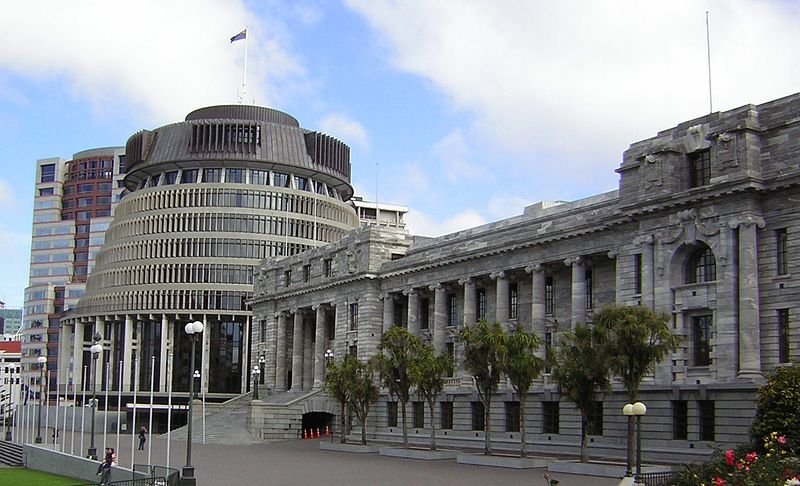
x: 777, y: 407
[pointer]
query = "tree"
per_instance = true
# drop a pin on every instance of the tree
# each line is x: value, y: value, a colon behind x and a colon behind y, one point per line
x: 581, y: 370
x: 484, y: 350
x: 399, y: 350
x: 337, y: 383
x: 638, y: 339
x: 522, y: 366
x: 363, y: 392
x: 776, y: 407
x: 428, y: 373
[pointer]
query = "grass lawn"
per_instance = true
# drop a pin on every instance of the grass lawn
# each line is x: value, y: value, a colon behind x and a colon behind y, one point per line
x: 19, y: 476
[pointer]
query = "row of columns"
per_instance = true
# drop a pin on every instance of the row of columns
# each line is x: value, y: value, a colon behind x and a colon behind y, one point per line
x: 308, y: 349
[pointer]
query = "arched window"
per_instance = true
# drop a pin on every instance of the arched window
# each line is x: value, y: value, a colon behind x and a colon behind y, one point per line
x: 701, y: 266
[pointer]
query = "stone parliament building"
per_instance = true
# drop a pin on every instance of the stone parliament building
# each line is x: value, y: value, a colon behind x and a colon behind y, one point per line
x: 703, y: 227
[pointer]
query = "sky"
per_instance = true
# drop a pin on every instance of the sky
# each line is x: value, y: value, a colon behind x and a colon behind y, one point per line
x: 465, y: 111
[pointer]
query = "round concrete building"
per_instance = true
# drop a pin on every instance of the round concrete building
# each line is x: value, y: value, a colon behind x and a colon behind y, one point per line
x: 205, y: 201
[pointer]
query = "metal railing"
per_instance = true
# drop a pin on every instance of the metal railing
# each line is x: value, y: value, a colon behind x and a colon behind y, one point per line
x: 133, y: 482
x: 665, y: 478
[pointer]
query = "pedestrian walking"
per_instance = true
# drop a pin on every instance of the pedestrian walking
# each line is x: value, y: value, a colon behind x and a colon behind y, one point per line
x: 142, y: 437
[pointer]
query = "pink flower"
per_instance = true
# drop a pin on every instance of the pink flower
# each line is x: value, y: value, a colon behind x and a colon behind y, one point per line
x: 782, y: 440
x: 718, y: 481
x: 730, y: 457
x: 751, y: 456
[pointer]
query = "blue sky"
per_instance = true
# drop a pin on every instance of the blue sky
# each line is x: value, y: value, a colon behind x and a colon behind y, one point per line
x: 468, y: 110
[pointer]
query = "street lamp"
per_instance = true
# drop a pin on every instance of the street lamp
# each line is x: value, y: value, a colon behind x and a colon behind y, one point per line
x: 329, y: 361
x: 95, y: 349
x: 256, y: 373
x: 41, y: 360
x: 262, y: 360
x: 193, y: 330
x: 637, y: 410
x: 328, y: 356
x: 196, y: 376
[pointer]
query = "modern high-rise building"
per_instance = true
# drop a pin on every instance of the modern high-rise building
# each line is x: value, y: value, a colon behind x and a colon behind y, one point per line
x: 74, y: 201
x: 11, y: 321
x: 205, y: 200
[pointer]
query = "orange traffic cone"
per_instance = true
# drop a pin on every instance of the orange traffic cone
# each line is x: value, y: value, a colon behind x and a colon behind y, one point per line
x: 327, y: 430
x: 305, y: 435
x: 317, y: 432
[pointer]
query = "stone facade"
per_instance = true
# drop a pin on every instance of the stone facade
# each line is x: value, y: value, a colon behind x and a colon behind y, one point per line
x: 702, y: 228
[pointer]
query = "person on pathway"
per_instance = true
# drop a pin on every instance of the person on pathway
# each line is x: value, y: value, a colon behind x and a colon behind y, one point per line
x: 142, y: 437
x: 104, y: 470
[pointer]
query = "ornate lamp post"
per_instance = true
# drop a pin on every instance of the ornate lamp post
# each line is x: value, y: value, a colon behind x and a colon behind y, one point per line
x: 95, y: 349
x: 328, y: 361
x: 262, y: 360
x: 256, y: 372
x: 193, y: 330
x: 41, y: 360
x: 637, y: 410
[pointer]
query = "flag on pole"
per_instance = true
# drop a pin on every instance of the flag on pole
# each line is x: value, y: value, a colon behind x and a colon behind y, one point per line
x: 241, y: 35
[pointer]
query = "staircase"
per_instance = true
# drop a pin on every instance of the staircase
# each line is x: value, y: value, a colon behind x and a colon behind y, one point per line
x: 10, y: 454
x: 226, y: 426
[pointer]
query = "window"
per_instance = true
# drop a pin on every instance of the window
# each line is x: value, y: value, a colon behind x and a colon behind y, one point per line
x: 354, y: 317
x: 170, y: 177
x: 548, y: 296
x: 281, y: 179
x: 701, y: 334
x: 306, y: 273
x: 189, y: 176
x: 594, y: 422
x: 86, y: 188
x: 478, y: 422
x: 259, y: 177
x: 637, y: 274
x: 512, y: 416
x: 418, y: 410
x: 46, y: 191
x: 781, y: 241
x: 452, y: 310
x: 353, y: 351
x: 212, y: 175
x: 424, y: 313
x: 701, y: 266
x: 263, y: 333
x: 48, y: 173
x: 234, y: 176
x: 707, y: 419
x: 513, y: 300
x: 700, y: 168
x: 446, y: 415
x: 287, y: 278
x: 550, y: 417
x: 481, y: 302
x: 783, y: 335
x: 391, y: 414
x: 327, y: 267
x: 680, y: 419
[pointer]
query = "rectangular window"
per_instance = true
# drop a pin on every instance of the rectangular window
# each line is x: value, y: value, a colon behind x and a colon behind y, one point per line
x: 550, y: 417
x: 418, y: 410
x: 481, y: 303
x: 781, y: 241
x: 281, y: 179
x: 446, y: 415
x: 680, y: 419
x: 589, y: 293
x: 783, y: 335
x: 263, y: 333
x: 353, y: 350
x: 354, y: 317
x: 594, y: 422
x: 306, y: 273
x: 452, y: 310
x: 287, y: 278
x: 637, y: 274
x: 549, y: 296
x: 476, y: 409
x: 48, y: 173
x: 189, y: 176
x: 701, y: 334
x: 513, y: 300
x: 212, y: 175
x: 424, y: 313
x: 700, y: 168
x: 46, y: 191
x: 259, y: 177
x: 327, y: 267
x: 170, y: 177
x: 512, y: 416
x: 234, y: 176
x: 707, y: 414
x: 391, y: 414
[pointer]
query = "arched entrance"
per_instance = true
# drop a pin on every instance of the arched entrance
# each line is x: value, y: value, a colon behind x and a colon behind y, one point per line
x: 317, y: 424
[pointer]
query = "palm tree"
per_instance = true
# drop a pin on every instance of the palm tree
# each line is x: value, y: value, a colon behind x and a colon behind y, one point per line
x: 337, y: 383
x: 399, y: 350
x: 484, y: 350
x: 638, y: 339
x: 429, y: 372
x: 522, y: 366
x: 581, y: 370
x: 363, y: 392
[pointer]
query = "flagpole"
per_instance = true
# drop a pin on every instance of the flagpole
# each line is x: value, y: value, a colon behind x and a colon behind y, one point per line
x: 708, y: 51
x: 244, y: 74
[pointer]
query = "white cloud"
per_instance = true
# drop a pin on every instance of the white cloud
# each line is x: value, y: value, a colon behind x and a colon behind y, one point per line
x: 346, y: 129
x: 584, y: 79
x: 7, y: 199
x: 164, y: 58
x: 419, y: 223
x: 454, y: 152
x: 503, y: 206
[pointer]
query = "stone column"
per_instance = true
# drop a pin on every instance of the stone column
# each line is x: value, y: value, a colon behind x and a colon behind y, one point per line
x: 578, y: 296
x: 439, y: 317
x: 388, y: 311
x: 297, y: 351
x: 413, y: 309
x: 749, y: 332
x: 77, y: 353
x: 308, y: 354
x: 470, y: 312
x: 319, y: 345
x: 501, y: 301
x: 250, y: 354
x: 648, y: 269
x: 538, y: 320
x: 280, y: 353
x: 65, y: 353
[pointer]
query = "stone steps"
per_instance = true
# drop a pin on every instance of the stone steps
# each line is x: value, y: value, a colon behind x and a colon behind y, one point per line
x: 10, y: 454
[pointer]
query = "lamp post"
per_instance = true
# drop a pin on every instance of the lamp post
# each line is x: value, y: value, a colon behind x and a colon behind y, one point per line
x: 196, y: 377
x: 193, y: 330
x: 95, y: 349
x: 262, y: 361
x: 41, y: 360
x: 637, y: 410
x: 256, y: 372
x: 329, y: 361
